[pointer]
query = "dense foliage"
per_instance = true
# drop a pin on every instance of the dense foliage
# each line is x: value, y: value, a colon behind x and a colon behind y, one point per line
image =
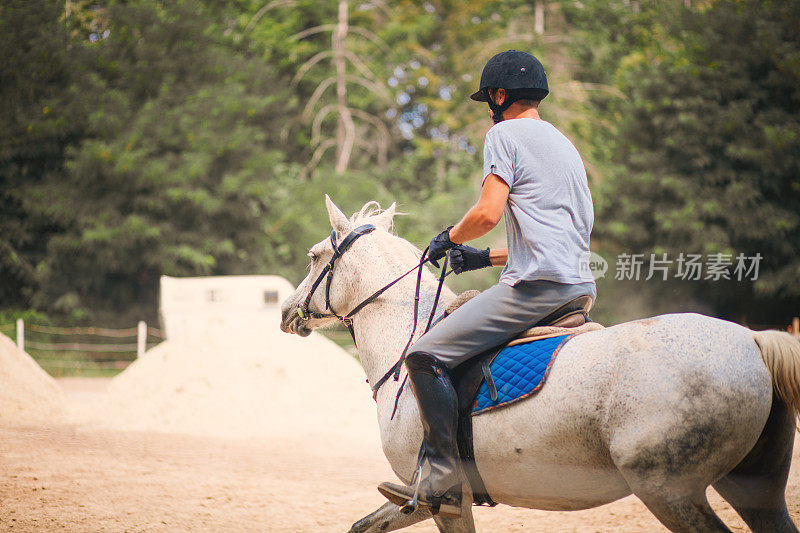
x: 42, y: 113
x: 703, y: 152
x: 145, y: 138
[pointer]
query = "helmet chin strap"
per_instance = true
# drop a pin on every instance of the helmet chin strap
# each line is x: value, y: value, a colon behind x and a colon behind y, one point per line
x: 499, y: 109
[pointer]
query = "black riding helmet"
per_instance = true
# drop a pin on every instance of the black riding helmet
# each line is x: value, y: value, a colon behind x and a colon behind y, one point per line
x: 519, y: 73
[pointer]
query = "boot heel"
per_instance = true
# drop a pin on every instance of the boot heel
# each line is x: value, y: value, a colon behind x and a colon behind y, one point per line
x: 449, y: 511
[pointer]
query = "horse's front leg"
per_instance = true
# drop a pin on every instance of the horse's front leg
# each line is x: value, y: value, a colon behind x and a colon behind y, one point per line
x: 463, y: 524
x: 389, y: 518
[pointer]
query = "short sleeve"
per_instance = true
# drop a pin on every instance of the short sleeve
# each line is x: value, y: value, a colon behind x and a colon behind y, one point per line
x: 498, y: 157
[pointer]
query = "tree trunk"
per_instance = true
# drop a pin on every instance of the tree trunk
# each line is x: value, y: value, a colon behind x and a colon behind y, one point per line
x: 345, y: 130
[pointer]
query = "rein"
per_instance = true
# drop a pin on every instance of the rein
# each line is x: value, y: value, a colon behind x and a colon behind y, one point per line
x: 347, y: 319
x: 394, y: 371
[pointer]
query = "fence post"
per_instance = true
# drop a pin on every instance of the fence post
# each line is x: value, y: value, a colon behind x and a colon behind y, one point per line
x: 141, y: 340
x: 796, y: 327
x: 538, y: 20
x: 20, y: 334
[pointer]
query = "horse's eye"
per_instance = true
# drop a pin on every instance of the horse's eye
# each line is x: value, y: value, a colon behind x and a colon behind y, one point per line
x: 313, y: 256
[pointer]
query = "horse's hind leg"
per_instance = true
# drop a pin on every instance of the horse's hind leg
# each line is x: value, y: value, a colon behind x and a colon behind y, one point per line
x: 755, y: 487
x: 670, y: 475
x: 684, y: 515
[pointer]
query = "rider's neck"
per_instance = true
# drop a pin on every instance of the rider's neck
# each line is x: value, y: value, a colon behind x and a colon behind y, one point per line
x: 519, y: 110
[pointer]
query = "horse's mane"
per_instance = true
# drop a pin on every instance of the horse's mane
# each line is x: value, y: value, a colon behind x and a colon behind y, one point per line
x: 372, y: 209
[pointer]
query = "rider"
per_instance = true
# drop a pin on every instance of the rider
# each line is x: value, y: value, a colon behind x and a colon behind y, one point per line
x: 535, y: 179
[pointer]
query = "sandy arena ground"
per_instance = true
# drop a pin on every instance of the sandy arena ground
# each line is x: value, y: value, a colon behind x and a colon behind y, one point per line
x: 72, y: 478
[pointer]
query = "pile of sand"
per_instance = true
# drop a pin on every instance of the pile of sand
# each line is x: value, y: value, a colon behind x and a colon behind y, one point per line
x: 27, y: 393
x: 270, y: 385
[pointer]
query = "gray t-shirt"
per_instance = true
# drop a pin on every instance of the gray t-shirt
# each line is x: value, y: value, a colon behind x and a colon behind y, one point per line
x: 549, y: 214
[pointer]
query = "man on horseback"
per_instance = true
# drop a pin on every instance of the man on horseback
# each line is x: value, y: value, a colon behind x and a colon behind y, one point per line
x: 535, y: 179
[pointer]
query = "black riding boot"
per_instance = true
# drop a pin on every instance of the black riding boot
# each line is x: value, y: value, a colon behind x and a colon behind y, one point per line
x: 438, y: 408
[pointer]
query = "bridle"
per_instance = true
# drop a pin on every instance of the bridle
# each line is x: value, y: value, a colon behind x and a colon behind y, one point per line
x: 347, y: 319
x: 327, y: 274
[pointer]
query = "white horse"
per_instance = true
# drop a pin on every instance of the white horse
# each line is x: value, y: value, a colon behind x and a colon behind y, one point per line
x: 661, y: 408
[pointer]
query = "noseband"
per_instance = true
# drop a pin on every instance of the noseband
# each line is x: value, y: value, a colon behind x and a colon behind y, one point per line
x: 347, y: 320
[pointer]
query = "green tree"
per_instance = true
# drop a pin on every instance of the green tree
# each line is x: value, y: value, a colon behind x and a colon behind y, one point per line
x: 704, y: 146
x: 43, y: 113
x: 180, y: 169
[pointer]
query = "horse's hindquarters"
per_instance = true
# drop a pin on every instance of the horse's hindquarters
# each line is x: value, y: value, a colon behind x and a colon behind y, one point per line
x: 709, y: 398
x: 667, y: 404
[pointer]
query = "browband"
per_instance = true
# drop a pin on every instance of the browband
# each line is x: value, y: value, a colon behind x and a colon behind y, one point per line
x: 327, y: 272
x: 350, y: 239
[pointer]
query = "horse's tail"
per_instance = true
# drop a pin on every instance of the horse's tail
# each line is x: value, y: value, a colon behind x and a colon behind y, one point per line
x: 781, y: 353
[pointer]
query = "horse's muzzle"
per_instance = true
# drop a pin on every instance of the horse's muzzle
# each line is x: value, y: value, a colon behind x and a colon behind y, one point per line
x: 291, y: 323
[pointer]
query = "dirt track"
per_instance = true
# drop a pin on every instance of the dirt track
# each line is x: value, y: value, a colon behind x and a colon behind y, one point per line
x: 78, y: 479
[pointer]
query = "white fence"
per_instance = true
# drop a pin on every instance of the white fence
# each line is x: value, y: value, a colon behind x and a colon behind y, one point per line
x: 140, y: 332
x: 83, y: 348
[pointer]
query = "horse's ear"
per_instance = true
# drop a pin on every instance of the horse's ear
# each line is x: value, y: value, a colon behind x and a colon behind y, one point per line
x: 339, y: 221
x: 384, y: 220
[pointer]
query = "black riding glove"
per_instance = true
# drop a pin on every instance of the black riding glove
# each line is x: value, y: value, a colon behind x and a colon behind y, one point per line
x: 465, y: 258
x: 439, y: 246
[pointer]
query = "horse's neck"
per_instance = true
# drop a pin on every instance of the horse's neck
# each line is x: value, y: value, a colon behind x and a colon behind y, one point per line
x: 383, y: 328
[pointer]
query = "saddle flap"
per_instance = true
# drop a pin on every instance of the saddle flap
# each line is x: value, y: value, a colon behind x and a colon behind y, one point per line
x: 467, y: 379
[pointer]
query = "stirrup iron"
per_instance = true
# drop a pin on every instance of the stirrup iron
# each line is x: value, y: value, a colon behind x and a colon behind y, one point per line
x: 412, y: 504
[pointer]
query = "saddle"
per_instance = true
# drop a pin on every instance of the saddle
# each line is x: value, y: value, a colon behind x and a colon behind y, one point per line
x: 569, y: 319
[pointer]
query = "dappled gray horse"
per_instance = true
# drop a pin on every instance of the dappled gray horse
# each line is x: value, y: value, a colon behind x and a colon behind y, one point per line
x: 661, y: 408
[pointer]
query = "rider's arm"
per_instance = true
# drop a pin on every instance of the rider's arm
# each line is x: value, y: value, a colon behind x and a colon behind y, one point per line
x: 485, y: 214
x: 498, y: 256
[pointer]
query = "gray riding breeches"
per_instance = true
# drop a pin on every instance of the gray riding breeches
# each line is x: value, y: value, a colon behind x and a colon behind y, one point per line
x: 496, y: 316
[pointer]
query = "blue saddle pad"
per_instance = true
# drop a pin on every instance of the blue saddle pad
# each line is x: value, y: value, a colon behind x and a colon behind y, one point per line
x: 519, y: 371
